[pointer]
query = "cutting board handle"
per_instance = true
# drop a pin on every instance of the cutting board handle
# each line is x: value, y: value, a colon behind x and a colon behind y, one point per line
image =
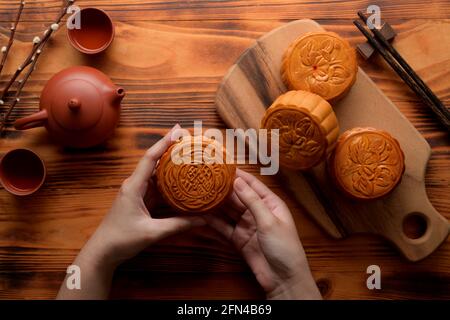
x: 417, y: 229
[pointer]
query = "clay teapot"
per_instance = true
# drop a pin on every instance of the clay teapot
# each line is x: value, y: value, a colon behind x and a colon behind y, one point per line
x: 80, y: 107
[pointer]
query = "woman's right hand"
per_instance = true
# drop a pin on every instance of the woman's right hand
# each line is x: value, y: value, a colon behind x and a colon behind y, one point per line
x: 264, y: 231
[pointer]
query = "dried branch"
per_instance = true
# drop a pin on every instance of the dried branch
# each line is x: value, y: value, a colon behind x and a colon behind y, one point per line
x: 30, y: 62
x: 22, y: 83
x: 37, y: 44
x: 5, y: 49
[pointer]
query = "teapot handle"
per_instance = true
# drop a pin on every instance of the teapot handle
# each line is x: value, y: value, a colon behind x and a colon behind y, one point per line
x: 35, y: 120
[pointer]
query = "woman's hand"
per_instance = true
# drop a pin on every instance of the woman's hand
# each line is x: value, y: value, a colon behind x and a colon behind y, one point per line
x: 264, y: 232
x: 127, y: 229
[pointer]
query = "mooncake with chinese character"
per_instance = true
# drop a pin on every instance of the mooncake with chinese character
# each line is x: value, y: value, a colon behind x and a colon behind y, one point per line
x: 193, y: 176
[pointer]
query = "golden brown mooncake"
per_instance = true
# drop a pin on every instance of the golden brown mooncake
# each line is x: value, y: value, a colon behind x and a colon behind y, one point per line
x: 189, y: 178
x: 308, y: 128
x: 367, y: 163
x: 322, y: 63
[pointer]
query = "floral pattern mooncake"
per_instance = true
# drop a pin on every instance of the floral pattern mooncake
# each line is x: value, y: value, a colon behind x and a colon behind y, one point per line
x: 322, y: 63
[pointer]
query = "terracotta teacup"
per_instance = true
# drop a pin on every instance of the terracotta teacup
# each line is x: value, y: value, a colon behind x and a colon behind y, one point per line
x: 96, y: 31
x: 22, y: 172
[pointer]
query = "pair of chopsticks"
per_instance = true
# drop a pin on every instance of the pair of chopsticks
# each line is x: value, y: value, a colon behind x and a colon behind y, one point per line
x: 404, y: 70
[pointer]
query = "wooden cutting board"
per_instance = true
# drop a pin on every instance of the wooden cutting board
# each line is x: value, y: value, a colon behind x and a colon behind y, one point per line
x: 254, y: 82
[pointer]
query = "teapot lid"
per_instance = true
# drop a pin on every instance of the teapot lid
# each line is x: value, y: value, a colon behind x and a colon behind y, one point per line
x: 76, y: 104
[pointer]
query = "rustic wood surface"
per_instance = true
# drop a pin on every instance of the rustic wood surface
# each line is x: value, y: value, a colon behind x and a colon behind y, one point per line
x: 170, y: 56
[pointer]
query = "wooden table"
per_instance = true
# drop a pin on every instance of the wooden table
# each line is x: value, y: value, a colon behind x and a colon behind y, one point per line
x: 170, y: 56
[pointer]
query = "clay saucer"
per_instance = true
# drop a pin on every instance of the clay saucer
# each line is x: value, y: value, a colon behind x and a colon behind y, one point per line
x: 22, y: 172
x: 95, y: 32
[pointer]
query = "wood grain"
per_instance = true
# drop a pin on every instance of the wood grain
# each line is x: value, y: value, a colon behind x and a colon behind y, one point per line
x: 170, y: 57
x: 241, y: 9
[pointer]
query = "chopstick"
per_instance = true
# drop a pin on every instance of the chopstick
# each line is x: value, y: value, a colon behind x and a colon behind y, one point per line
x: 403, y: 63
x: 402, y: 68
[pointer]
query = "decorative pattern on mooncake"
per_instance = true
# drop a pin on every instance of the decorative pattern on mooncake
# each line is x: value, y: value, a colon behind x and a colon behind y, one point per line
x: 367, y: 163
x: 192, y: 175
x: 322, y: 63
x: 308, y: 128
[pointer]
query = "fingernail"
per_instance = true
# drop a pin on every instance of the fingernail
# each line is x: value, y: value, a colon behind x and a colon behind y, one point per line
x: 175, y: 127
x: 239, y: 184
x: 174, y: 133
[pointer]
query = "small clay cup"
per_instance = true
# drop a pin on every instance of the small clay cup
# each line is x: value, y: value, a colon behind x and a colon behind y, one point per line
x: 96, y: 32
x: 22, y: 172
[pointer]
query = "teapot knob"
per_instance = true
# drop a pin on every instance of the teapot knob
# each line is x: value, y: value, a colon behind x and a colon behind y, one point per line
x: 74, y: 104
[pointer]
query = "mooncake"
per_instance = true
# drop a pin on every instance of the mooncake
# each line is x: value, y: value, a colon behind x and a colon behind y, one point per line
x: 367, y: 163
x: 322, y: 63
x: 192, y: 175
x: 308, y: 128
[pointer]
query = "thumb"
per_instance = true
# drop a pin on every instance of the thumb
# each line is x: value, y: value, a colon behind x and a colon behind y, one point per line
x: 170, y: 226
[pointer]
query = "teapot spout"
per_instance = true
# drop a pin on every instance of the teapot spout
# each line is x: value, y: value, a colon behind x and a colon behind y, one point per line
x: 117, y: 95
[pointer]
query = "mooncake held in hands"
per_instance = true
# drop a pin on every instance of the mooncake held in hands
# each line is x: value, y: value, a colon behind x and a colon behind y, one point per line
x: 192, y: 175
x: 367, y: 163
x: 322, y: 63
x: 308, y: 128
